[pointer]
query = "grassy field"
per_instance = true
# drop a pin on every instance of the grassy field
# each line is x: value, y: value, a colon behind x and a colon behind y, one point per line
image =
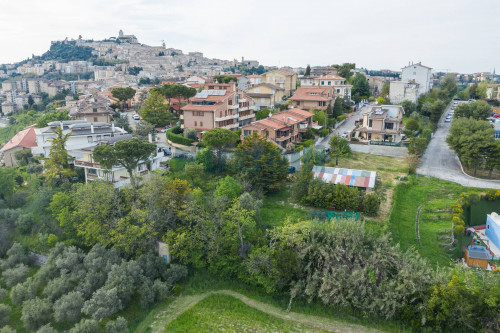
x: 224, y: 313
x: 278, y: 206
x: 201, y: 283
x: 436, y: 196
x: 388, y: 168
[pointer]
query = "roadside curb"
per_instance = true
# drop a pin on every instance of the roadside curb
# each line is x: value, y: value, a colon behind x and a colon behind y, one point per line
x: 472, y: 177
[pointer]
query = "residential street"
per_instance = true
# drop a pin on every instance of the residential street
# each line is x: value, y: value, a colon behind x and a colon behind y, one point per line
x: 441, y: 162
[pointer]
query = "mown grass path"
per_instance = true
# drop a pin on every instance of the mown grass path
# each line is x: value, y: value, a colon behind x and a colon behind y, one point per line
x: 160, y: 319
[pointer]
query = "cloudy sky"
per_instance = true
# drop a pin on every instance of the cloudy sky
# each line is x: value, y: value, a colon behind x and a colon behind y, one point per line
x: 454, y: 35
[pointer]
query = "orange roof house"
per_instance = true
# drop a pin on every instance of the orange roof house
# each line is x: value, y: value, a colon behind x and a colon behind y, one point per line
x: 309, y: 98
x: 25, y: 139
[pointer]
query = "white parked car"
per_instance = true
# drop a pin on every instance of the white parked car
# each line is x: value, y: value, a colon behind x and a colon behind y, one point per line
x: 136, y: 117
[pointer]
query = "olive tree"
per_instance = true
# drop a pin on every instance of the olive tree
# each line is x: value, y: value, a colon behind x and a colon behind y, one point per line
x: 36, y: 313
x: 117, y: 326
x: 5, y: 312
x: 69, y: 307
x: 86, y: 326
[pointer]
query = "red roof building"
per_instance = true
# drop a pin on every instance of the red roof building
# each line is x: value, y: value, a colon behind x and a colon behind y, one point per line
x: 317, y: 98
x: 282, y: 127
x: 219, y: 105
x: 24, y: 140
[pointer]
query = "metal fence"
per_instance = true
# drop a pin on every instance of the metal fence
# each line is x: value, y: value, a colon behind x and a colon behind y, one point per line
x: 389, y: 143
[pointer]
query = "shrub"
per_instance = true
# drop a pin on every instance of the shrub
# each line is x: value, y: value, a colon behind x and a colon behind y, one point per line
x: 341, y: 117
x: 371, y: 204
x: 175, y: 135
x: 346, y: 198
x: 176, y: 130
x: 190, y: 133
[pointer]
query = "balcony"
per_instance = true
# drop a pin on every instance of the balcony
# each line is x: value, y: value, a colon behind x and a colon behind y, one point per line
x: 87, y: 164
x: 283, y: 138
x: 230, y: 126
x: 248, y: 116
x: 230, y: 116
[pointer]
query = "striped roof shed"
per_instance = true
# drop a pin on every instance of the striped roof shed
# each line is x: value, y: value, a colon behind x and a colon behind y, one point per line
x: 350, y: 177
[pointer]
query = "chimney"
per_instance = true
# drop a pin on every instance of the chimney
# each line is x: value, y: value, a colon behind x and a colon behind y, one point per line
x: 112, y: 126
x: 91, y: 128
x: 61, y: 123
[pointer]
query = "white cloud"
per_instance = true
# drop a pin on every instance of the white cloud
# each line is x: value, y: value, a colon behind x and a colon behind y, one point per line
x: 447, y: 34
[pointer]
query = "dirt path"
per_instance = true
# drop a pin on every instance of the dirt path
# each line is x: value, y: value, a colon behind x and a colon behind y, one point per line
x: 184, y: 303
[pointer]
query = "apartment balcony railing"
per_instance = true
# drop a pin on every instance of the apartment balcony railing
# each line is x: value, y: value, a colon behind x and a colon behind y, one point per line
x: 231, y: 116
x: 230, y: 126
x: 87, y: 164
x: 283, y: 138
x: 249, y: 116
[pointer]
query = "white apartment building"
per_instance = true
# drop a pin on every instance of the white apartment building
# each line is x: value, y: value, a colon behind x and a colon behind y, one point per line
x: 415, y: 81
x: 82, y: 134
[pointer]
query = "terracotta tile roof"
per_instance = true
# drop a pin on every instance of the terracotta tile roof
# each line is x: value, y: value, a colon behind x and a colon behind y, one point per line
x: 25, y: 138
x: 301, y: 112
x: 270, y: 123
x: 313, y: 94
x: 288, y: 118
x: 254, y: 76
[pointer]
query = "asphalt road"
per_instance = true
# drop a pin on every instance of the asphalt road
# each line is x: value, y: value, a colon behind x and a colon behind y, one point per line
x: 441, y: 162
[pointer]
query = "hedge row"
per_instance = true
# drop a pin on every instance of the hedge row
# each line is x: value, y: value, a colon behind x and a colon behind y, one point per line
x: 178, y: 138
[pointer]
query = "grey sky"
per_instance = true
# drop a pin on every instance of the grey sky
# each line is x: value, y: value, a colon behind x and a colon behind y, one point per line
x: 459, y: 35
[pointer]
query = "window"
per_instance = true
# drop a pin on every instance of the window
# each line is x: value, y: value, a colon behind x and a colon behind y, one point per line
x: 107, y: 135
x: 247, y: 132
x: 95, y: 119
x: 94, y: 110
x: 329, y: 83
x: 497, y: 134
x: 322, y: 83
x: 91, y: 171
x: 389, y: 126
x: 338, y: 90
x: 195, y: 123
x: 370, y: 123
x: 90, y: 139
x: 201, y: 124
x: 98, y: 138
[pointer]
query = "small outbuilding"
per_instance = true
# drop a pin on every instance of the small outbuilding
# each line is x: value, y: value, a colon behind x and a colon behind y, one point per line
x: 477, y: 256
x: 350, y: 177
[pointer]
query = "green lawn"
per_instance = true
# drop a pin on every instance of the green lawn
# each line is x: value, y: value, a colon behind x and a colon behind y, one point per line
x: 278, y: 206
x: 224, y: 313
x: 436, y: 196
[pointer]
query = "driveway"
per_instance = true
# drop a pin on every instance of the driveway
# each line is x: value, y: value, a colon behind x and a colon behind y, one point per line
x: 441, y: 162
x: 346, y: 126
x: 131, y: 121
